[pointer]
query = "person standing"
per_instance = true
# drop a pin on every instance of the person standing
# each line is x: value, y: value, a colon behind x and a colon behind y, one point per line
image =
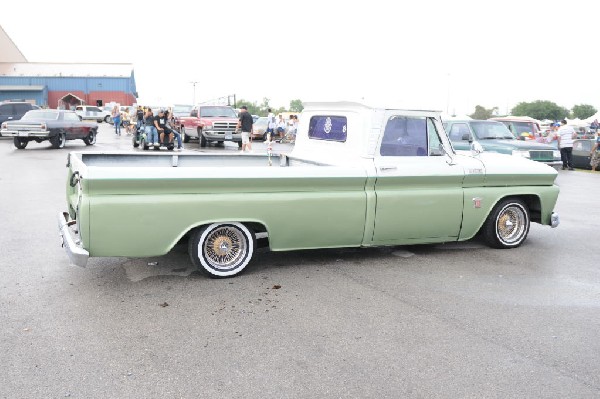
x: 566, y: 134
x: 271, y: 123
x: 245, y: 123
x: 594, y: 126
x: 116, y: 117
x: 126, y: 121
x: 595, y: 153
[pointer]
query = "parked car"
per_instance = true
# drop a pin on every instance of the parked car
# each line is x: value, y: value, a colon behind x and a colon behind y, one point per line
x: 520, y: 124
x: 581, y: 153
x: 54, y: 125
x: 493, y: 136
x: 14, y: 110
x: 90, y: 112
x: 259, y: 129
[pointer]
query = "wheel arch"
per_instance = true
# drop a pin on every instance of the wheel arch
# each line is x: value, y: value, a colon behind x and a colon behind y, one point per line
x: 534, y: 204
x: 255, y: 226
x: 494, y: 235
x: 474, y: 221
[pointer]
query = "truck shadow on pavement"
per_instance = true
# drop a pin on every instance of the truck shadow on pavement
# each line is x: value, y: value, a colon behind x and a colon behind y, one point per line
x: 177, y: 262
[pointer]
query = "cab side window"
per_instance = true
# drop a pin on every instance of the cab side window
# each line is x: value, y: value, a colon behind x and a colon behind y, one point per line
x: 404, y: 136
x: 435, y: 144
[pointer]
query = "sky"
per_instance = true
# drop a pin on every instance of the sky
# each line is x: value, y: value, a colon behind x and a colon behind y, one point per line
x: 442, y: 55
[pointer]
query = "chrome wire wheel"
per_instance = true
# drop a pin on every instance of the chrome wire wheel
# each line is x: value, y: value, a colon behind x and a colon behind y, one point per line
x: 222, y: 249
x: 511, y: 223
x: 508, y: 224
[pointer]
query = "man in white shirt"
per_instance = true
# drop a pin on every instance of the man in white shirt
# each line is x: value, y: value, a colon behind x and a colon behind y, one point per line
x: 566, y: 134
x: 271, y: 123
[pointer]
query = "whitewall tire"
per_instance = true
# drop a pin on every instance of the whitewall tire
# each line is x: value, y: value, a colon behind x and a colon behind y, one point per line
x: 222, y: 249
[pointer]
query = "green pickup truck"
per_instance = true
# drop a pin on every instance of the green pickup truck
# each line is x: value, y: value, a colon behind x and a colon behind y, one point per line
x: 357, y: 177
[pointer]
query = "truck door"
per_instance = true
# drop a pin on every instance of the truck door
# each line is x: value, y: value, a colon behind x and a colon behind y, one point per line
x: 419, y: 191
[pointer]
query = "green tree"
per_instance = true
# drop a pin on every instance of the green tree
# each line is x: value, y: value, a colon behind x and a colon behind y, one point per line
x: 483, y: 113
x: 584, y: 111
x: 264, y: 107
x: 540, y: 110
x: 252, y: 107
x: 296, y: 106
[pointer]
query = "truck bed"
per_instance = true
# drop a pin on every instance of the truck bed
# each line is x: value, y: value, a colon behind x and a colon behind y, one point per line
x: 120, y: 160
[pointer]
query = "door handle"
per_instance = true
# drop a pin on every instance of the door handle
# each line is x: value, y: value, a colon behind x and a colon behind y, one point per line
x: 382, y: 168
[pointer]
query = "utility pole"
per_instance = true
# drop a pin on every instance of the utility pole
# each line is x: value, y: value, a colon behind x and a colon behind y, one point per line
x: 194, y: 100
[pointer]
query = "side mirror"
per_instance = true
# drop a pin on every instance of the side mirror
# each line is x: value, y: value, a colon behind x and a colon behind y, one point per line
x: 476, y: 148
x: 441, y: 149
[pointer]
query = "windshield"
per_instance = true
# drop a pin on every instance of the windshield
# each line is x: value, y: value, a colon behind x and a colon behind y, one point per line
x: 522, y: 127
x: 48, y: 114
x: 489, y: 130
x: 213, y: 112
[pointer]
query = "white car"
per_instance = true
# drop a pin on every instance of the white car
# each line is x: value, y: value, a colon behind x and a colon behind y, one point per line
x: 90, y: 112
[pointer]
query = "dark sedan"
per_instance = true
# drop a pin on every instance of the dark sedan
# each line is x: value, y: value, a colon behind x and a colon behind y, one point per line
x: 581, y: 153
x: 56, y: 126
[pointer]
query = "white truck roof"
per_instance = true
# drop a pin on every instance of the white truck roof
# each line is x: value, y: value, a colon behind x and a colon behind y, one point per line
x: 364, y: 126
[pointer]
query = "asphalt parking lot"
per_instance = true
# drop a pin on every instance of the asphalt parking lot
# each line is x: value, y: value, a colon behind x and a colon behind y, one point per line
x: 434, y: 321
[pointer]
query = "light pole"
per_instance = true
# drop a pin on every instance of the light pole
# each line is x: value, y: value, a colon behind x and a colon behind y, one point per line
x: 448, y: 97
x: 194, y: 85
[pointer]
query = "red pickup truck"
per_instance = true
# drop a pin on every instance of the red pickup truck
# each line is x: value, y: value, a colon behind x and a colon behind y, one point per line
x: 210, y: 123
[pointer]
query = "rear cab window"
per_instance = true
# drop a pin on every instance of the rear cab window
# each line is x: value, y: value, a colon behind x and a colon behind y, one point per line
x: 328, y: 127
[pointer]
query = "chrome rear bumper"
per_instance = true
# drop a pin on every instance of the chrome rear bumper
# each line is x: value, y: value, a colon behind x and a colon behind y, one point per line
x: 77, y: 254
